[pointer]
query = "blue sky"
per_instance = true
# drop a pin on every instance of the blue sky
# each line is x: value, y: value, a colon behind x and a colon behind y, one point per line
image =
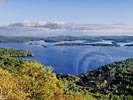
x: 69, y: 11
x: 78, y: 11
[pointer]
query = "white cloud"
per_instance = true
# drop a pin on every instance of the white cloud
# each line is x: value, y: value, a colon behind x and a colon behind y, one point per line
x: 43, y: 28
x: 29, y: 24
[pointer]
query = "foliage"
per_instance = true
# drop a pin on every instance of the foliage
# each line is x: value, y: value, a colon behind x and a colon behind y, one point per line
x: 33, y: 79
x: 29, y: 80
x: 14, y: 53
x: 114, y: 80
x: 10, y: 88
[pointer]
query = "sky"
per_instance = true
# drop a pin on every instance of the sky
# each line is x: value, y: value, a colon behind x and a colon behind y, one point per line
x: 66, y: 17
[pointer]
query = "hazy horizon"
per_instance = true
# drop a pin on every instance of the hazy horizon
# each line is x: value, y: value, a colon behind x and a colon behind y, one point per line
x: 61, y: 17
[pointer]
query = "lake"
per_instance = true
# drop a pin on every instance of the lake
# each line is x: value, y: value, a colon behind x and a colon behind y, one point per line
x: 74, y: 59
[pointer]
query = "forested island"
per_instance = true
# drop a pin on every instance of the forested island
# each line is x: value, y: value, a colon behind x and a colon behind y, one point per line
x: 83, y: 44
x: 117, y: 39
x: 29, y: 80
x: 73, y: 40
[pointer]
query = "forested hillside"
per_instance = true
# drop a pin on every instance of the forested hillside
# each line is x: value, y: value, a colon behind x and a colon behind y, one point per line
x: 29, y: 80
x: 115, y: 81
x: 11, y: 52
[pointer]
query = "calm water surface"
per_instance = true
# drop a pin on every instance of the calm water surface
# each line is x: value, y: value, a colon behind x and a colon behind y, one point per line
x: 74, y: 59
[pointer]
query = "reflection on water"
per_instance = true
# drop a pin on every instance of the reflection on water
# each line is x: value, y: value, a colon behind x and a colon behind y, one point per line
x: 74, y: 59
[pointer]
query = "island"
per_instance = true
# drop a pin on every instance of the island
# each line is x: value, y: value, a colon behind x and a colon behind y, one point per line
x: 72, y: 40
x: 129, y: 45
x: 84, y: 44
x: 44, y: 46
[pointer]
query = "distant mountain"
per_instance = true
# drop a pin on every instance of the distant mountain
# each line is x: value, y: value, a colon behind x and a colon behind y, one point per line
x: 18, y: 39
x: 90, y: 38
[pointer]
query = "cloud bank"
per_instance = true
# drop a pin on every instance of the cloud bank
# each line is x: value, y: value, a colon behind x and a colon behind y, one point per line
x: 43, y: 28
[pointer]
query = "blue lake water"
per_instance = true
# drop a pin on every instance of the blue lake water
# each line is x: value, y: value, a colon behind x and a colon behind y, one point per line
x: 74, y: 59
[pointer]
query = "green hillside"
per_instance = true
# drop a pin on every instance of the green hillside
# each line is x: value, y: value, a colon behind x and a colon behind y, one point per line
x: 29, y: 80
x: 115, y: 81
